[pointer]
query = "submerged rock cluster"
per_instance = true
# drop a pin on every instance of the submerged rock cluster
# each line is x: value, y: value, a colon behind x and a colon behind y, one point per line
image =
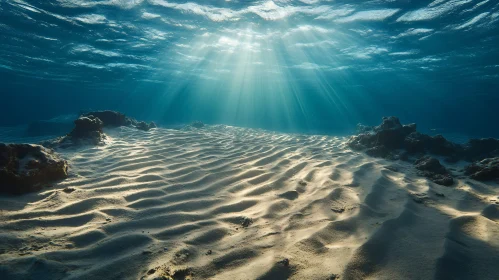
x: 26, y: 168
x: 487, y: 169
x: 392, y: 140
x: 117, y: 119
x: 88, y: 128
x: 431, y: 168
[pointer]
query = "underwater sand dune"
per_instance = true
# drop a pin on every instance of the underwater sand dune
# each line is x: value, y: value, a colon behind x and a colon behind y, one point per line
x: 231, y: 203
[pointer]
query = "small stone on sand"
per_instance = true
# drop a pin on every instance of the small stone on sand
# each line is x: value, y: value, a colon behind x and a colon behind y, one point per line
x: 284, y: 262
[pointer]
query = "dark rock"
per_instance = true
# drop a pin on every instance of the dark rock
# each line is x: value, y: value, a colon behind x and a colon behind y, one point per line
x: 378, y: 151
x: 69, y: 190
x: 144, y: 126
x: 444, y: 180
x: 26, y: 168
x: 431, y: 168
x: 184, y: 273
x: 390, y: 135
x: 420, y: 143
x: 392, y: 140
x: 409, y: 128
x: 364, y: 128
x: 430, y: 164
x: 361, y: 141
x: 111, y: 118
x: 478, y: 149
x: 246, y: 222
x: 334, y: 277
x: 484, y: 170
x: 209, y: 252
x: 117, y: 119
x: 87, y: 127
x: 416, y: 142
x: 87, y: 130
x: 389, y: 123
x: 438, y: 145
x: 131, y: 122
x: 284, y: 262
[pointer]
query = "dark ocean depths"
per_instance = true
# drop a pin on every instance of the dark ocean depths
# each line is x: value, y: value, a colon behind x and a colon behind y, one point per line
x: 307, y: 66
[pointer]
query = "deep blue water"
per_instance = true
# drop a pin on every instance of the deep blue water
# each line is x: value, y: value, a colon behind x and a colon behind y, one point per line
x: 304, y: 66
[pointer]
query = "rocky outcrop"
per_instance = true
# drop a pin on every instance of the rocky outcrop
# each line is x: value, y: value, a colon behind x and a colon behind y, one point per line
x: 110, y: 118
x: 26, y: 168
x: 117, y: 119
x: 391, y: 135
x: 382, y: 140
x: 484, y: 170
x: 431, y: 168
x: 87, y: 129
x: 145, y: 126
x: 478, y: 149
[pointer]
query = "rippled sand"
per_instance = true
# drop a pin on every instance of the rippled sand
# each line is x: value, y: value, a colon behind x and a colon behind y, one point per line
x: 162, y: 199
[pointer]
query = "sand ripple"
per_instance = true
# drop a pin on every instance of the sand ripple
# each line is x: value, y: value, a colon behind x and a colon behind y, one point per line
x: 163, y: 199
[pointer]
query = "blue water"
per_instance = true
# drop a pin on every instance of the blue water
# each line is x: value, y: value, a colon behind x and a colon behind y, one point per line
x: 304, y: 66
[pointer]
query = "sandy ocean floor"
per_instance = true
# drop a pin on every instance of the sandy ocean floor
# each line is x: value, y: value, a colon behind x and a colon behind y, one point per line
x: 148, y: 204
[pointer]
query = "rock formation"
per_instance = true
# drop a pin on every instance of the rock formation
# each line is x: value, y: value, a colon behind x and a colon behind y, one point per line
x: 384, y: 139
x: 478, y: 149
x: 145, y: 126
x: 111, y: 118
x: 392, y: 140
x: 431, y: 168
x: 26, y: 168
x: 89, y: 129
x: 484, y: 170
x: 117, y: 119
